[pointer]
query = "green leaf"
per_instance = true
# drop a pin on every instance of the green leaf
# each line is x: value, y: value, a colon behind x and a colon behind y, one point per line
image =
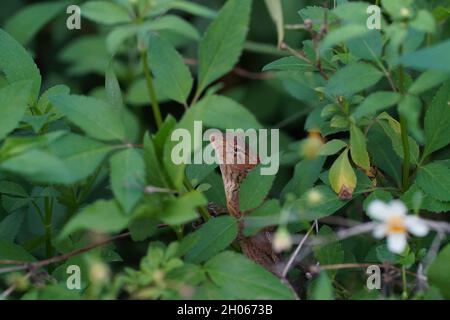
x: 343, y: 34
x: 332, y: 147
x: 394, y: 7
x: 112, y: 87
x: 368, y: 46
x: 101, y: 216
x: 332, y: 253
x: 95, y: 117
x: 82, y: 158
x: 276, y: 13
x: 105, y: 12
x: 167, y: 64
x: 437, y: 118
x: 342, y: 176
x: 307, y: 210
x: 358, y: 148
x: 13, y: 189
x: 24, y: 24
x: 321, y: 288
x: 17, y: 65
x: 343, y: 82
x: 288, y: 64
x: 429, y: 203
x: 57, y: 163
x: 393, y: 130
x: 306, y: 173
x: 12, y: 251
x: 434, y: 179
x: 223, y: 42
x: 424, y: 21
x: 244, y: 279
x: 254, y: 189
x: 128, y: 178
x: 13, y: 104
x: 378, y: 101
x: 10, y: 225
x: 268, y: 214
x: 410, y: 108
x: 433, y: 58
x: 213, y: 237
x: 438, y: 272
x: 427, y: 80
x: 180, y: 210
x: 189, y: 7
x: 384, y: 156
x: 38, y: 166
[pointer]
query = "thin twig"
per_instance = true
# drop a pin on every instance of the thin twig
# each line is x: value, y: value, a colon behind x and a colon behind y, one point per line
x: 239, y: 71
x: 5, y: 294
x: 39, y: 264
x: 295, y: 253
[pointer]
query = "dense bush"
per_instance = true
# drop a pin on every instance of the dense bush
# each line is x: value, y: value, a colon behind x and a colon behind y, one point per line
x: 89, y: 187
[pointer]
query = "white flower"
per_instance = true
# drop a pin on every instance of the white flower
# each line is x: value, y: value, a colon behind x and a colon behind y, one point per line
x: 282, y: 240
x: 395, y: 223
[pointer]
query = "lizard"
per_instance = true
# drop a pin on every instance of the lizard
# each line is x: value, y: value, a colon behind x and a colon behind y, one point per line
x: 229, y: 147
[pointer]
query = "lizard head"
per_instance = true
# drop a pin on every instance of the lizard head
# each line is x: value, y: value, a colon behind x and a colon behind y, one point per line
x: 231, y: 149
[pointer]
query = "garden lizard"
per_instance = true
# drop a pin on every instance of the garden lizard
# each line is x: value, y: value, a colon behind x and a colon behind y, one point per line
x: 243, y: 160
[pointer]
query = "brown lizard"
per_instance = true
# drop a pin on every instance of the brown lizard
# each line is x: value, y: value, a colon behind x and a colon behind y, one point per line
x: 243, y: 160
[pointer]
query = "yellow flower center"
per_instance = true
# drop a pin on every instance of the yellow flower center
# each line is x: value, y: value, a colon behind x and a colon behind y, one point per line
x: 396, y: 224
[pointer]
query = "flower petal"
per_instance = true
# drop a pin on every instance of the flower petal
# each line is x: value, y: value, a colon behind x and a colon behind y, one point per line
x: 378, y: 210
x: 416, y: 226
x: 397, y: 207
x: 396, y: 242
x: 379, y: 231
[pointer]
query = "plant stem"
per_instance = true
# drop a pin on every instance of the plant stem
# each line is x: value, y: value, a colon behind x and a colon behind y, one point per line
x: 202, y: 210
x: 404, y: 135
x: 151, y: 89
x: 405, y: 288
x: 48, y: 226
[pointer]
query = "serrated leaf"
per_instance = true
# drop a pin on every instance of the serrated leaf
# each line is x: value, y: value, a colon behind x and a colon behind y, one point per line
x: 213, y: 237
x: 97, y: 118
x: 223, y: 42
x: 343, y: 34
x: 17, y: 65
x: 437, y: 118
x: 429, y: 203
x: 13, y: 103
x: 24, y: 24
x: 433, y: 58
x: 434, y: 179
x: 128, y: 178
x: 244, y: 279
x: 343, y: 82
x: 437, y: 272
x: 174, y: 77
x: 378, y: 101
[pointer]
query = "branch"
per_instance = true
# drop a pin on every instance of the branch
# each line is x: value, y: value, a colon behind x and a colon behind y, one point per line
x: 33, y: 266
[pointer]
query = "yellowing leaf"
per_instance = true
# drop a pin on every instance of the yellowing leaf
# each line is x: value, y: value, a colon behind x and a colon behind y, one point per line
x: 342, y: 177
